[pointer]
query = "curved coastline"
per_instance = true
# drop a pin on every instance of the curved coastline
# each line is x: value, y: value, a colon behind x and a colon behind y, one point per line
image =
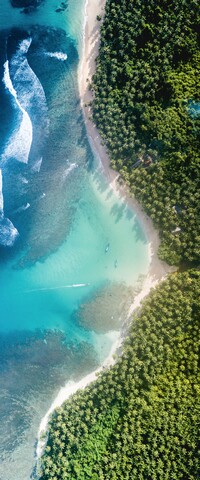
x: 91, y: 39
x: 158, y: 269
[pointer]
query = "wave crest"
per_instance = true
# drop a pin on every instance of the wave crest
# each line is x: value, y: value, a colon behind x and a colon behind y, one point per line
x: 1, y: 193
x: 8, y: 233
x: 59, y: 55
x: 19, y: 144
x: 28, y: 139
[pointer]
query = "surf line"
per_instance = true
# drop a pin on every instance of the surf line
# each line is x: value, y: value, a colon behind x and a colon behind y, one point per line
x: 74, y: 285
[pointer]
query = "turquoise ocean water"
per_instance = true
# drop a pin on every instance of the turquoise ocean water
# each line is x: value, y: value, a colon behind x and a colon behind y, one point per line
x: 71, y: 252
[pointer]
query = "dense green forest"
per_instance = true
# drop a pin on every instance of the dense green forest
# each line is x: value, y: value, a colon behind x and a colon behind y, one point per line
x: 140, y: 419
x: 147, y: 106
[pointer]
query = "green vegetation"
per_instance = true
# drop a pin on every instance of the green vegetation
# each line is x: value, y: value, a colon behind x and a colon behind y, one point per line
x: 140, y: 419
x: 146, y: 78
x: 174, y: 206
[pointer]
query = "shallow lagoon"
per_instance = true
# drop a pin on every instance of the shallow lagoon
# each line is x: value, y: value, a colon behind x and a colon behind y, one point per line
x: 80, y: 251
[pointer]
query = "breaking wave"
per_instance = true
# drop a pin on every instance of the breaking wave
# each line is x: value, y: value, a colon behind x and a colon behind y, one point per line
x: 59, y: 55
x: 8, y: 233
x: 27, y: 141
x: 1, y: 193
x: 19, y: 144
x: 22, y: 208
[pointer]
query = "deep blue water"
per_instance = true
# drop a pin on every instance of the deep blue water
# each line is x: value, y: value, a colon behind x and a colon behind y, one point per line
x: 71, y: 251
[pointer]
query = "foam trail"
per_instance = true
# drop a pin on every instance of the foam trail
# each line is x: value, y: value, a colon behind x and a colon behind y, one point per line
x: 69, y: 169
x: 23, y: 179
x: 22, y: 208
x: 20, y: 142
x: 1, y: 194
x: 43, y: 289
x: 59, y: 55
x: 36, y: 167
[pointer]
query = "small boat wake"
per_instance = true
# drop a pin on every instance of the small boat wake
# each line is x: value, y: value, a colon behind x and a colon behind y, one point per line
x: 45, y: 289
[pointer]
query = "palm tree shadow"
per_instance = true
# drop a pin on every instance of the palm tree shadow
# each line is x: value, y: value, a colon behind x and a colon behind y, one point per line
x: 138, y: 231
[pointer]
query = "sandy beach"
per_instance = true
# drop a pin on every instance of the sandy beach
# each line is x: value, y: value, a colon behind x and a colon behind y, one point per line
x: 158, y: 270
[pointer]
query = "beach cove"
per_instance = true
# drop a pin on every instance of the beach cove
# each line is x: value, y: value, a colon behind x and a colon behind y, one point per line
x: 73, y: 280
x: 158, y: 270
x: 91, y: 39
x: 125, y: 424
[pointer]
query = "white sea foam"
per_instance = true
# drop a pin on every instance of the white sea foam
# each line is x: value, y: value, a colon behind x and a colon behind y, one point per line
x: 32, y: 98
x: 22, y: 208
x: 24, y: 45
x: 25, y: 77
x: 1, y: 193
x: 25, y: 207
x: 8, y: 233
x: 37, y: 165
x: 69, y: 169
x: 59, y: 55
x: 23, y: 179
x: 20, y: 142
x: 26, y: 89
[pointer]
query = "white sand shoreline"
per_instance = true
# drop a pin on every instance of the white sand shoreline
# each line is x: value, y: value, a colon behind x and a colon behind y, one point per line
x: 72, y: 387
x: 158, y: 270
x: 91, y: 38
x: 69, y: 389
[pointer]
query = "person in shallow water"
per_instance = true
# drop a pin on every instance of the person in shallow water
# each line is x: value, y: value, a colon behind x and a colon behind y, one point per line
x: 107, y: 247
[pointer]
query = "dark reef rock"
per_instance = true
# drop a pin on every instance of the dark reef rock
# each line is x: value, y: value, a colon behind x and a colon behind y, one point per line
x: 26, y: 3
x: 63, y: 6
